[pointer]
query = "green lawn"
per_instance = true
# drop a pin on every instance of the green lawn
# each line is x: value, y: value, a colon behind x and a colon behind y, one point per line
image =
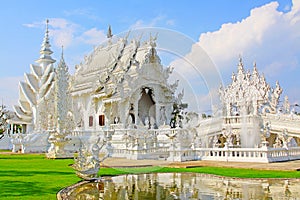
x: 32, y: 176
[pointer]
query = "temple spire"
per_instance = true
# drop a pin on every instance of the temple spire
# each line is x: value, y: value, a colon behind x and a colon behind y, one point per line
x: 109, y: 32
x: 45, y: 51
x: 240, y: 73
x: 62, y: 51
x: 62, y: 65
x: 240, y: 65
x: 255, y: 72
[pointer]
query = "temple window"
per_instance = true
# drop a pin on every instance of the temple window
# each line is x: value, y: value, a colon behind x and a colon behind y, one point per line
x: 101, y: 120
x: 91, y: 121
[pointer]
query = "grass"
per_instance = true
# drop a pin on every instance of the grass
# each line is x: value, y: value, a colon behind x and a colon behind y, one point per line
x: 32, y: 176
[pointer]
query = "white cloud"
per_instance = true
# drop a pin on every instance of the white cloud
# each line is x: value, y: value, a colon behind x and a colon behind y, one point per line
x: 269, y: 36
x: 287, y: 8
x: 62, y: 31
x: 66, y: 33
x: 33, y: 25
x: 93, y: 36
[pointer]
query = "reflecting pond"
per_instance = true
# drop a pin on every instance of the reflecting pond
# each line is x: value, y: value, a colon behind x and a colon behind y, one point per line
x: 182, y: 186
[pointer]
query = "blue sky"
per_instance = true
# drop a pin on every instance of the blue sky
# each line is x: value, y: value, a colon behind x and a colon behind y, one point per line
x: 260, y: 30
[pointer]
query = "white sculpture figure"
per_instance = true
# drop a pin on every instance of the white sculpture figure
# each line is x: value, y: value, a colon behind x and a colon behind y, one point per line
x: 116, y: 120
x: 216, y: 142
x: 238, y: 139
x: 278, y: 143
x: 265, y: 131
x: 78, y: 116
x: 284, y: 139
x: 146, y: 122
x: 286, y: 105
x: 130, y: 122
x: 87, y: 164
x: 152, y: 122
x: 180, y: 97
x: 174, y: 85
x: 163, y: 116
x: 275, y: 96
x: 168, y: 71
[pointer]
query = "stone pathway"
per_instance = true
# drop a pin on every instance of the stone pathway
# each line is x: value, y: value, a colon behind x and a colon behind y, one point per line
x: 122, y: 162
x: 285, y: 166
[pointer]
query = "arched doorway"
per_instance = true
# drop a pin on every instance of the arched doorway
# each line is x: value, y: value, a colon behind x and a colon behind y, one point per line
x: 131, y: 118
x: 146, y: 106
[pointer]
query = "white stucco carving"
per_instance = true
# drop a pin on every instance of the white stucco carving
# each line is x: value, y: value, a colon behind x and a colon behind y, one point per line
x: 36, y: 92
x: 121, y: 92
x: 62, y: 120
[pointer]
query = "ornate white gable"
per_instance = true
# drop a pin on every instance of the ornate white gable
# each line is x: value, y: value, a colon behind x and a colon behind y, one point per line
x: 249, y: 93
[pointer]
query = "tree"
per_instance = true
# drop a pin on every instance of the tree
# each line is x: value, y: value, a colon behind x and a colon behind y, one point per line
x: 4, y: 116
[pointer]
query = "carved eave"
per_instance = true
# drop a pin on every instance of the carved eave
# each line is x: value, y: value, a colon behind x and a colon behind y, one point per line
x: 20, y: 114
x: 25, y: 106
x: 79, y: 92
x: 117, y: 57
x: 17, y: 120
x: 98, y: 96
x: 81, y: 89
x: 47, y: 85
x: 36, y: 70
x: 32, y: 81
x: 48, y: 77
x: 28, y: 93
x: 47, y: 91
x: 45, y: 59
x: 47, y: 71
x: 109, y: 100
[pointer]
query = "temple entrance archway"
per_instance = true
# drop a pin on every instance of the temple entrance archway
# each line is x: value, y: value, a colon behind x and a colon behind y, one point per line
x: 146, y: 107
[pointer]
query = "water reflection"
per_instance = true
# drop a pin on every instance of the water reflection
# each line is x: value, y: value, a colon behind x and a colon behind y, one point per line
x: 183, y: 186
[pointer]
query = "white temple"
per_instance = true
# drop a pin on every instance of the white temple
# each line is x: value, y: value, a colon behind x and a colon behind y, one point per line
x: 121, y: 94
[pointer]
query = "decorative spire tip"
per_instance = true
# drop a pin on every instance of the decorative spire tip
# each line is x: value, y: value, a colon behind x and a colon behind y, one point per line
x: 62, y: 50
x: 109, y: 32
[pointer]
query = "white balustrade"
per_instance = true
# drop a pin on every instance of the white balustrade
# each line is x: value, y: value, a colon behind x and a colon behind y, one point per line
x: 248, y: 154
x: 157, y: 144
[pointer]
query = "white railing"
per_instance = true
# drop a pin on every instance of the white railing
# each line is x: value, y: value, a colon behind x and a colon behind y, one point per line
x: 79, y: 133
x: 149, y: 153
x: 143, y: 146
x: 248, y: 154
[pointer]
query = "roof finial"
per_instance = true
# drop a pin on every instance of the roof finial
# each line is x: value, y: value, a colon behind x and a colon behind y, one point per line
x: 254, y: 67
x: 62, y: 51
x: 240, y: 65
x: 109, y: 32
x: 47, y: 25
x: 240, y: 58
x: 45, y: 52
x: 153, y: 40
x: 47, y: 31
